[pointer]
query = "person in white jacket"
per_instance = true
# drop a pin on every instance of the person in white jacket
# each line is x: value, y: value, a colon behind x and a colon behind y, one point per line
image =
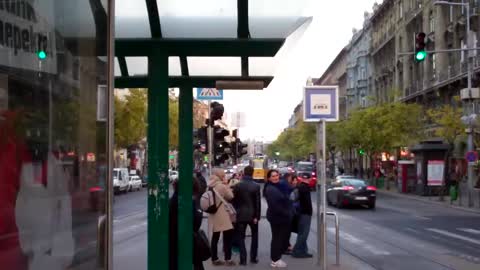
x: 44, y: 215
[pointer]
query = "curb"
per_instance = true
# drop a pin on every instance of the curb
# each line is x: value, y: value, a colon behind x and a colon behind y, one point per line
x: 417, y: 198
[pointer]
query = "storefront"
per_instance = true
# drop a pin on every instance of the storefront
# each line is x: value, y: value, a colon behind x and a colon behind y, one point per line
x: 53, y: 133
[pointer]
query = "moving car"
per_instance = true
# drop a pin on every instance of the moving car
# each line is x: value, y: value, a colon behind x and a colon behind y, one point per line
x: 350, y: 191
x: 121, y: 180
x: 306, y: 171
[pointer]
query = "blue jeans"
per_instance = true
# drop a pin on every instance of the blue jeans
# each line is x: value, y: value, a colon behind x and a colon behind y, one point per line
x: 301, y: 247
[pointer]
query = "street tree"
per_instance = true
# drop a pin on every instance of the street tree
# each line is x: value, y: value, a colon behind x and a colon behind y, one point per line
x: 130, y: 118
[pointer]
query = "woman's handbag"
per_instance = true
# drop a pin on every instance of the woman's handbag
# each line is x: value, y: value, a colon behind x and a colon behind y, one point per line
x: 232, y: 213
x: 201, y: 246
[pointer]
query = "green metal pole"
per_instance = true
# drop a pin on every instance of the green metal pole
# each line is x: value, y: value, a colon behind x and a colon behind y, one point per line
x: 185, y: 218
x: 158, y: 184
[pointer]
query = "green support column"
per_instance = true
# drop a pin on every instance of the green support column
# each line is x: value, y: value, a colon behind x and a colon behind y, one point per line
x: 158, y: 184
x: 185, y: 145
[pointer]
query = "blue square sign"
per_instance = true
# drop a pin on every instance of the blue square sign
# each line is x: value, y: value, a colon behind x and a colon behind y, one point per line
x: 320, y: 103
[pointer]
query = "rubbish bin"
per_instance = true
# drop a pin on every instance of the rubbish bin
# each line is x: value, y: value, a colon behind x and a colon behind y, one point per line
x: 381, y: 182
x: 453, y: 193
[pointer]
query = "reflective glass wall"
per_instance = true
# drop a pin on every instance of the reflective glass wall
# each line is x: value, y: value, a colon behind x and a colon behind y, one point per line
x: 53, y: 141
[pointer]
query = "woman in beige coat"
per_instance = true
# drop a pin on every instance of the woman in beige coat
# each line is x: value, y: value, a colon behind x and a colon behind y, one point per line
x: 220, y: 221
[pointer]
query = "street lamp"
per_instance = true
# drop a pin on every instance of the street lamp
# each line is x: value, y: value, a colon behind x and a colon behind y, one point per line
x: 467, y: 119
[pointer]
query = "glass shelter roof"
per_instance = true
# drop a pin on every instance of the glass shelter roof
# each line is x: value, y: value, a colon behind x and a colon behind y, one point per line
x: 232, y: 39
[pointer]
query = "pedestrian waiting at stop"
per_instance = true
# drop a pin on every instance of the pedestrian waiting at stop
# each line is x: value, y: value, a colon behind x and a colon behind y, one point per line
x: 247, y: 202
x: 279, y: 215
x: 214, y: 201
x: 303, y: 218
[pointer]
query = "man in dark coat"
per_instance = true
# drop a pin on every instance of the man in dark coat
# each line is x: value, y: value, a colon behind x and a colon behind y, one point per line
x: 247, y: 203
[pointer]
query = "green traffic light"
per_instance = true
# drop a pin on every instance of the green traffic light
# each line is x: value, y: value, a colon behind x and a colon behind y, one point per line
x: 420, y: 55
x: 42, y: 55
x: 361, y: 152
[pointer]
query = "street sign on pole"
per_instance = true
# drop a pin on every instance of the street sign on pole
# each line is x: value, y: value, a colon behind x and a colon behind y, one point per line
x: 471, y: 156
x: 320, y: 104
x: 209, y: 94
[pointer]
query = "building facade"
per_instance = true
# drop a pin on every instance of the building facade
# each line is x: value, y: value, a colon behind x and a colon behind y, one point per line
x: 359, y: 90
x: 336, y: 74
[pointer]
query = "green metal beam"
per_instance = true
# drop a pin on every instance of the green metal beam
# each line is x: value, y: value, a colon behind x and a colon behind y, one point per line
x: 184, y: 66
x: 267, y: 47
x: 243, y: 29
x: 185, y: 144
x: 158, y: 184
x: 179, y: 81
x: 123, y: 66
x: 154, y: 19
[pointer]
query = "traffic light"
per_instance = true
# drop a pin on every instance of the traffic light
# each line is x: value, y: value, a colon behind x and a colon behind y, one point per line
x: 202, y: 139
x: 216, y: 112
x: 241, y: 148
x: 420, y: 53
x: 361, y: 152
x: 221, y: 148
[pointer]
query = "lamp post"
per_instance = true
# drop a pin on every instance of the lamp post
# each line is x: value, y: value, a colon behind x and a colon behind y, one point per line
x: 470, y: 113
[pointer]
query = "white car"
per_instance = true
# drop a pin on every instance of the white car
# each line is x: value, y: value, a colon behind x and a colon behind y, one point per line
x: 135, y: 183
x: 344, y: 176
x: 121, y: 180
x: 172, y: 176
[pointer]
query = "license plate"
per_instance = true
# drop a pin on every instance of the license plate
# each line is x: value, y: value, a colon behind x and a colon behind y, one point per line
x: 360, y: 198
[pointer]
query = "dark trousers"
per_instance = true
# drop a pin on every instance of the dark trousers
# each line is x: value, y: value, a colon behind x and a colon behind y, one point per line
x: 227, y: 244
x: 198, y: 266
x: 301, y: 247
x: 241, y: 229
x: 280, y: 235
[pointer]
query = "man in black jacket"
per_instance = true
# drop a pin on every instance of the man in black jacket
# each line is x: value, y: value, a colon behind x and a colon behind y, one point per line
x: 303, y: 206
x: 247, y: 203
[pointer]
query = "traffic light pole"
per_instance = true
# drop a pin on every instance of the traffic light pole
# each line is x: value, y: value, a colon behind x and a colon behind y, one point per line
x: 210, y: 140
x: 321, y: 195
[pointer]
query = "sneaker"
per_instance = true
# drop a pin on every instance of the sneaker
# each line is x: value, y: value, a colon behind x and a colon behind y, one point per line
x: 278, y: 264
x: 218, y: 263
x: 230, y: 263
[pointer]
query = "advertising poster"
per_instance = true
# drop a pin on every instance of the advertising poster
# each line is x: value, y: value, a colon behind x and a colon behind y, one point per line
x: 435, y: 172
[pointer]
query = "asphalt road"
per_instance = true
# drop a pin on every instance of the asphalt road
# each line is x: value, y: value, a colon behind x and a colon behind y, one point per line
x: 409, y: 234
x: 398, y: 234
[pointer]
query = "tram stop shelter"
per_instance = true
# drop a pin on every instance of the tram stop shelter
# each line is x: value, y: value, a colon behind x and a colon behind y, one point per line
x: 167, y: 36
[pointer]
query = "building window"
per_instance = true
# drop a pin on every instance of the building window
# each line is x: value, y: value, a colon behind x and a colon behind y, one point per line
x: 401, y: 9
x: 434, y: 67
x: 363, y: 74
x: 432, y: 22
x: 451, y: 14
x: 462, y: 53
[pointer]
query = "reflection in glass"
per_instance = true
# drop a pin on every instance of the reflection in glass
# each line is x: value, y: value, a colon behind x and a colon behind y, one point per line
x: 52, y: 133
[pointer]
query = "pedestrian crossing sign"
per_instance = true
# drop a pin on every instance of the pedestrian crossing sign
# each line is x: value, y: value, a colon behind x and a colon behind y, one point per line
x: 209, y: 94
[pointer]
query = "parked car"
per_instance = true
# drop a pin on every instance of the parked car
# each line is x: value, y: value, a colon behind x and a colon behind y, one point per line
x: 344, y: 176
x: 121, y: 180
x: 306, y: 171
x: 135, y: 182
x: 351, y: 191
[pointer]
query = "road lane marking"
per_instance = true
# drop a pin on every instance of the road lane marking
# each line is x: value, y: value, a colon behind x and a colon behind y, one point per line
x: 354, y: 240
x: 468, y: 230
x: 453, y: 235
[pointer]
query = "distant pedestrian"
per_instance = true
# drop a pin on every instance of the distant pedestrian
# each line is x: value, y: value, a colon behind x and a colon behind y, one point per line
x: 247, y: 202
x: 279, y: 214
x: 303, y: 209
x: 219, y: 221
x: 202, y: 182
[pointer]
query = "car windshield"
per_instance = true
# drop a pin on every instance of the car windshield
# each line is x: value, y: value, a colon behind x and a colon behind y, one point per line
x: 115, y: 174
x: 305, y: 167
x: 355, y: 183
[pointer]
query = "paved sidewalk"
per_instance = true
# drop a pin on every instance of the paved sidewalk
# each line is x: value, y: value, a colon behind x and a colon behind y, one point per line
x: 461, y: 203
x: 347, y: 261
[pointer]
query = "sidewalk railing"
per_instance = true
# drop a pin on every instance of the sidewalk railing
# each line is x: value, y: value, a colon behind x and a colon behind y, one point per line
x: 337, y: 236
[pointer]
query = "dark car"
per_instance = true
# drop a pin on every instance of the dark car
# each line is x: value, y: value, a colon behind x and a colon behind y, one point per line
x: 306, y: 171
x: 346, y: 192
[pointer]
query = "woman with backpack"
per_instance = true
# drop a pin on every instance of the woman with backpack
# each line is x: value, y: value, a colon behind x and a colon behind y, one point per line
x: 213, y: 202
